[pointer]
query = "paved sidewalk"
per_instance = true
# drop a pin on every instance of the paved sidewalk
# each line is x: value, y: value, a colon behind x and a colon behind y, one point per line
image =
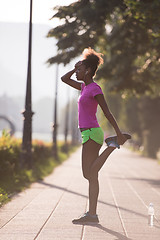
x: 128, y: 183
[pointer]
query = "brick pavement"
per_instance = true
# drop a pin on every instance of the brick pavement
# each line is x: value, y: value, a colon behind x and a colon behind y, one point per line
x: 128, y: 183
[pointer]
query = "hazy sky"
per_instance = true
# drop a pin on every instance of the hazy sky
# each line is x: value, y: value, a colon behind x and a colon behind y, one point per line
x: 18, y: 10
x: 14, y: 27
x: 14, y: 48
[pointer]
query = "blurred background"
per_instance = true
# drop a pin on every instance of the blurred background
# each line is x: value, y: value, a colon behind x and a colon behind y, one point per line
x: 14, y: 30
x: 126, y: 32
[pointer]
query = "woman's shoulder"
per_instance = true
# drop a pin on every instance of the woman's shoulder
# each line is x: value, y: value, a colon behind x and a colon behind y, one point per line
x: 95, y: 85
x: 96, y: 89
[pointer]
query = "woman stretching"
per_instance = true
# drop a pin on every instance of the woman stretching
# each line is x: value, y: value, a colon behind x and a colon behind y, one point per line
x: 92, y: 134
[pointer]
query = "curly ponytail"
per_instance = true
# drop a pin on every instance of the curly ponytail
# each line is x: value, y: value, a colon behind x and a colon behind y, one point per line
x: 92, y: 59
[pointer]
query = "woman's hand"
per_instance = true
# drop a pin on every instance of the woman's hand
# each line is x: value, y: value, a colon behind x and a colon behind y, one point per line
x: 121, y: 139
x: 78, y: 64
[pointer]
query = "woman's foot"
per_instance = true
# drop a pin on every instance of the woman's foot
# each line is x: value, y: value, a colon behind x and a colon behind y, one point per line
x: 112, y: 141
x: 86, y: 218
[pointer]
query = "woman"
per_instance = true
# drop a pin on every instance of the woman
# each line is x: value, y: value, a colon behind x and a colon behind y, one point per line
x: 92, y: 134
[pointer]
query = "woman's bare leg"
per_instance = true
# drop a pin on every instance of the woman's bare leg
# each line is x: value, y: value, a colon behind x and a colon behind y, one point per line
x: 98, y: 163
x: 93, y: 181
x: 93, y: 194
x: 91, y: 164
x: 90, y: 152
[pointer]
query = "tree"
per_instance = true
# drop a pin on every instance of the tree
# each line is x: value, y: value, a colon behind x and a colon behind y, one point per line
x: 127, y: 32
x: 133, y: 62
x: 84, y: 23
x: 131, y: 48
x: 150, y: 126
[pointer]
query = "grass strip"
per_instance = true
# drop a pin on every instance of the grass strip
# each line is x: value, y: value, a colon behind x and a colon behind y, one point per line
x: 13, y: 177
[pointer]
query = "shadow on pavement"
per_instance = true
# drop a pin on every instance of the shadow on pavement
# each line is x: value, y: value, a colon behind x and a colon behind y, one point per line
x: 82, y: 195
x: 152, y: 182
x: 114, y: 233
x: 107, y: 230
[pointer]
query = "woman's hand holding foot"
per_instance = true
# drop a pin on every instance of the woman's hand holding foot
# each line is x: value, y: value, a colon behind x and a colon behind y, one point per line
x: 121, y: 139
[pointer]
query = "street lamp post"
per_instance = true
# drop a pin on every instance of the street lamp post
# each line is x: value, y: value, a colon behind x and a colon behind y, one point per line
x: 55, y: 126
x: 67, y: 123
x: 27, y: 128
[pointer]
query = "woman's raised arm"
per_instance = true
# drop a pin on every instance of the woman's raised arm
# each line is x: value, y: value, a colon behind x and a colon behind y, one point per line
x: 101, y: 101
x: 67, y: 77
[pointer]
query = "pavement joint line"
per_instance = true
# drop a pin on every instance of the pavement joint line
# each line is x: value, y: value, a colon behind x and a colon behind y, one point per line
x: 130, y: 185
x: 64, y: 191
x: 135, y: 192
x: 86, y: 231
x: 155, y: 190
x: 48, y: 217
x: 136, y: 175
x: 83, y: 227
x: 19, y: 211
x: 146, y: 172
x: 77, y: 193
x: 118, y: 210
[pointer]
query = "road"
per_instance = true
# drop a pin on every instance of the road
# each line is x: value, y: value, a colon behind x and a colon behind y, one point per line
x: 128, y: 183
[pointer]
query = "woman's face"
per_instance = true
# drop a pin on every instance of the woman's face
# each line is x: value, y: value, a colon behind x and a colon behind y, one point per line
x: 80, y: 72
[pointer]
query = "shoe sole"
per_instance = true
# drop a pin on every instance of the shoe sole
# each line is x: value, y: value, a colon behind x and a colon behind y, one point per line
x: 86, y: 223
x: 114, y: 138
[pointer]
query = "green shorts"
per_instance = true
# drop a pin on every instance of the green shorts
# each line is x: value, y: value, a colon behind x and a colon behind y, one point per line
x: 96, y: 134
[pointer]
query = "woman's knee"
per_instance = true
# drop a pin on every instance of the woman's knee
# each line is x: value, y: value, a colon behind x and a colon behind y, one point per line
x: 86, y: 174
x: 93, y: 171
x: 93, y: 175
x: 90, y: 175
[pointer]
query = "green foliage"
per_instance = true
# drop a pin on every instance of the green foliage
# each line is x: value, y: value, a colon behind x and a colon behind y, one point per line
x: 131, y: 48
x: 14, y: 177
x: 3, y: 196
x: 9, y: 152
x: 140, y: 117
x: 150, y: 126
x: 84, y: 24
x: 127, y: 32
